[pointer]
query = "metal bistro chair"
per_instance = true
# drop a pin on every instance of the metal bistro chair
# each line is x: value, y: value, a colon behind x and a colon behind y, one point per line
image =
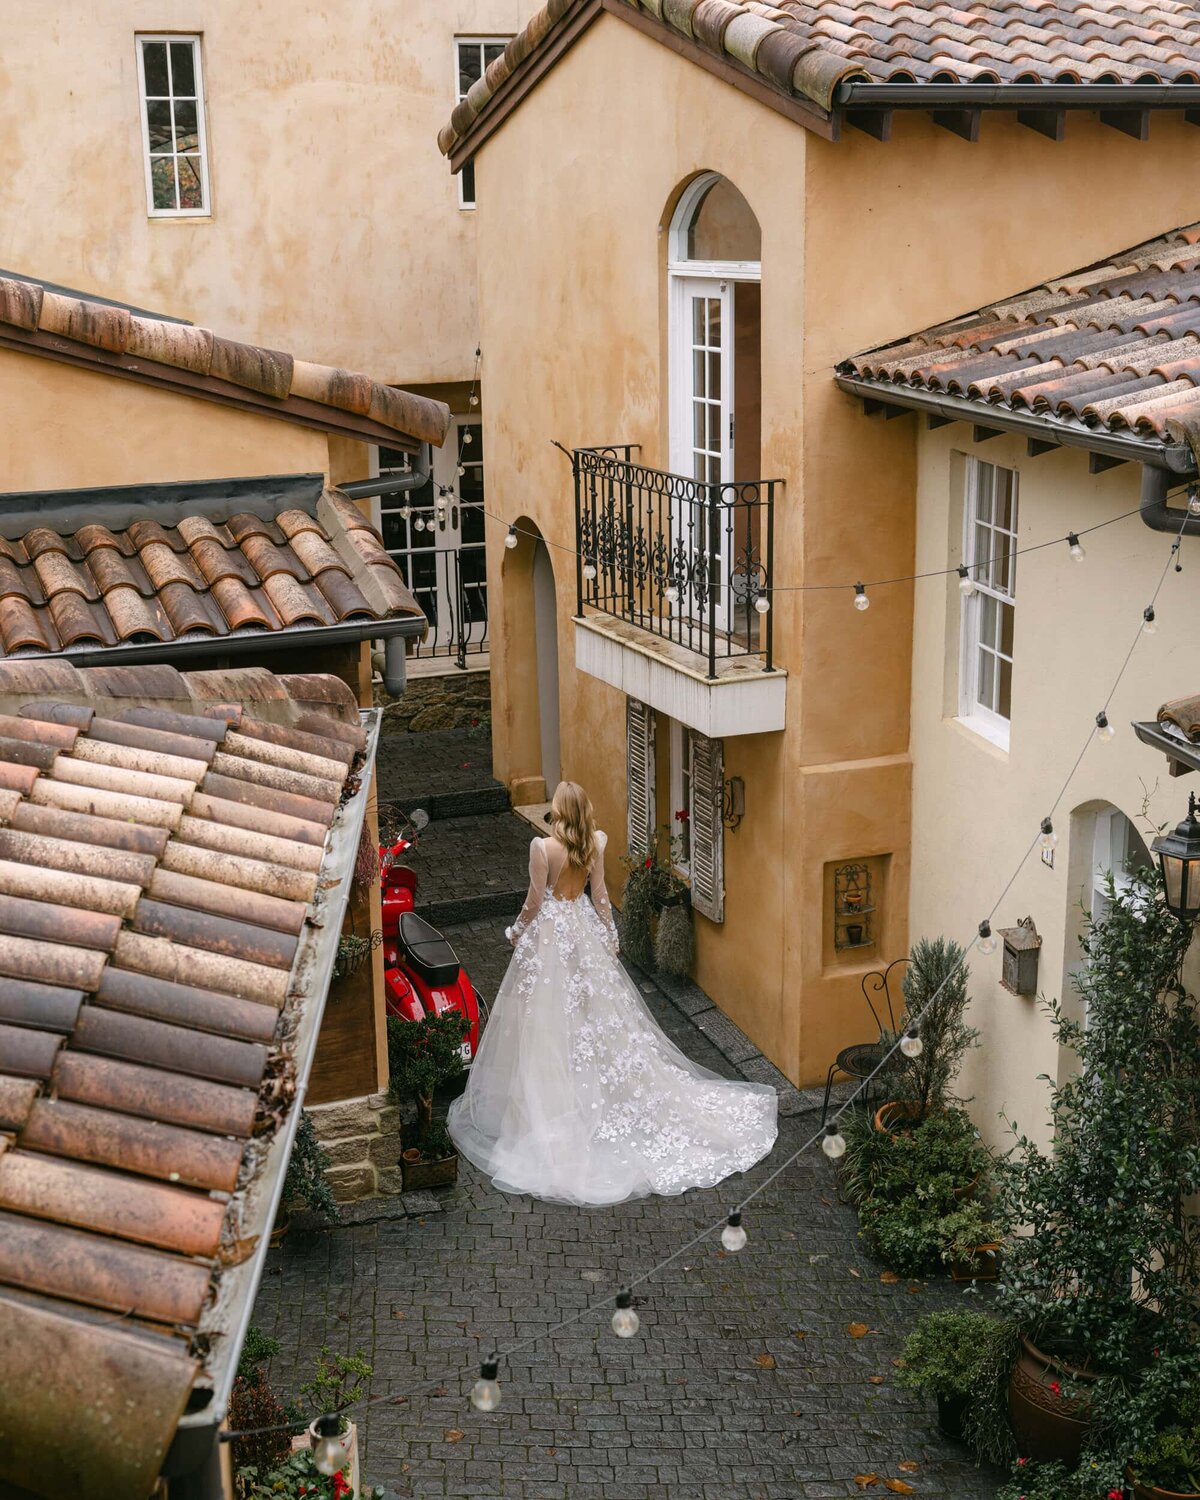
x: 860, y: 1061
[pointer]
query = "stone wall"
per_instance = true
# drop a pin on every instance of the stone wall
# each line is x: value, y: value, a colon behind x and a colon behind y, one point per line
x: 362, y: 1139
x: 454, y: 701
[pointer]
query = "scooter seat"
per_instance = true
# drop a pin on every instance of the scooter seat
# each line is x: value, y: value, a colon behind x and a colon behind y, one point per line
x: 427, y: 951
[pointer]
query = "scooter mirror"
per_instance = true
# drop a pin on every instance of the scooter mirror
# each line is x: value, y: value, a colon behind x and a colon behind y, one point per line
x: 419, y: 818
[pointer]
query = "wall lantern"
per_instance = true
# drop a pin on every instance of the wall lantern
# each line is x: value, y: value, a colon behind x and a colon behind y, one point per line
x: 1179, y: 857
x: 1021, y: 948
x: 734, y: 809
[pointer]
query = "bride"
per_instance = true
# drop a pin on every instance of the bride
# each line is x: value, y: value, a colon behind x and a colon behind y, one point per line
x: 576, y: 1095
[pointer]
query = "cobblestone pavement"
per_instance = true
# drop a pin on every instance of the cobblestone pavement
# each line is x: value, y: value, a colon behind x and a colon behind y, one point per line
x: 445, y: 771
x: 464, y: 860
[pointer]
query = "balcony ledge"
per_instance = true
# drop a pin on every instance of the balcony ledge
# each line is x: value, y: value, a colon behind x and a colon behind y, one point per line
x: 743, y: 698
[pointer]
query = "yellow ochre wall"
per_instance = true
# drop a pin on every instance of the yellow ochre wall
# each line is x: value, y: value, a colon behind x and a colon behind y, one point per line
x: 862, y: 242
x: 335, y: 229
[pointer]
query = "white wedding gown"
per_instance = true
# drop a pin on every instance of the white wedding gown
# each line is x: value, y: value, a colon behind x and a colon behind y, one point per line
x: 576, y: 1095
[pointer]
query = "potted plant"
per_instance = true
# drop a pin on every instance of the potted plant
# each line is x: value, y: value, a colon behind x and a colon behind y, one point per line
x: 947, y: 1353
x: 1106, y: 1269
x: 970, y: 1242
x: 424, y: 1056
x: 338, y: 1380
x: 305, y: 1180
x: 298, y: 1478
x: 935, y: 989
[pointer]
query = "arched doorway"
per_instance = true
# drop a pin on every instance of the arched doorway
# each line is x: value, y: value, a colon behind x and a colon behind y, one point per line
x: 545, y: 626
x: 529, y: 610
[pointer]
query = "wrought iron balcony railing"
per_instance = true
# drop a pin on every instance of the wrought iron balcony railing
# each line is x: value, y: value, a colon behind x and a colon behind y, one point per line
x: 681, y: 558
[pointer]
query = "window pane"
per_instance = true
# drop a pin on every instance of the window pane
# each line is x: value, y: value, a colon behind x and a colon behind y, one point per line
x: 714, y: 322
x: 714, y: 471
x: 983, y: 492
x: 987, y: 678
x: 714, y: 376
x: 154, y: 60
x: 491, y: 52
x: 1003, y: 498
x: 162, y: 179
x: 473, y: 566
x: 698, y: 424
x: 1007, y: 614
x: 468, y: 181
x: 987, y: 620
x: 183, y: 69
x: 472, y: 526
x: 187, y: 136
x: 714, y: 428
x: 983, y: 550
x: 191, y: 190
x: 698, y: 361
x: 394, y: 530
x: 470, y: 68
x: 158, y: 124
x: 426, y: 537
x: 390, y: 458
x: 698, y: 321
x: 1004, y: 704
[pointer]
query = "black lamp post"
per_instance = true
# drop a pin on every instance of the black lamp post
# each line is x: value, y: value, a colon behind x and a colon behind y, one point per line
x: 1179, y: 857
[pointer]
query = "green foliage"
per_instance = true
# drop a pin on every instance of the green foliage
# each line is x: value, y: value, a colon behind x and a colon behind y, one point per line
x: 935, y: 988
x: 297, y: 1478
x: 424, y: 1056
x: 338, y: 1381
x: 1108, y: 1263
x: 964, y: 1229
x: 353, y: 950
x: 948, y: 1352
x: 305, y: 1177
x: 437, y: 1145
x: 674, y: 946
x: 1035, y: 1481
x: 637, y: 913
x: 986, y: 1429
x: 253, y: 1404
x: 257, y: 1348
x: 1152, y: 1422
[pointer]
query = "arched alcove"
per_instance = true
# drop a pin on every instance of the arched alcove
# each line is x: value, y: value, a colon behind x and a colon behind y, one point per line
x: 531, y: 629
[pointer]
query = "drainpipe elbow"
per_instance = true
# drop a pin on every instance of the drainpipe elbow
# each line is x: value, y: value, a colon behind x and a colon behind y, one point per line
x: 395, y: 665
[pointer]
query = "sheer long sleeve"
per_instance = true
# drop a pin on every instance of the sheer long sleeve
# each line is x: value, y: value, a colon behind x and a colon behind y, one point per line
x: 600, y: 891
x: 539, y: 866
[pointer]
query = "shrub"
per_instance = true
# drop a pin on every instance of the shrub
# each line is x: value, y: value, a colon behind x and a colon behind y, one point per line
x: 637, y: 910
x: 257, y: 1348
x: 935, y: 988
x: 305, y: 1178
x: 424, y: 1056
x: 253, y: 1404
x: 1037, y: 1481
x: 338, y: 1381
x: 948, y: 1352
x: 674, y: 946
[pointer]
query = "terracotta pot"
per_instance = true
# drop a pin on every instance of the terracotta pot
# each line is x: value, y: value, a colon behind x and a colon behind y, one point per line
x: 1048, y: 1426
x: 349, y: 1443
x: 893, y: 1118
x: 413, y: 1154
x: 283, y: 1222
x: 983, y: 1264
x: 427, y: 1174
x: 1152, y: 1492
x: 951, y: 1411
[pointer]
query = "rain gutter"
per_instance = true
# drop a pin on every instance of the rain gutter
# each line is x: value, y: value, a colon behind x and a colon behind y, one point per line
x: 1017, y: 95
x: 228, y: 1318
x: 1177, y: 457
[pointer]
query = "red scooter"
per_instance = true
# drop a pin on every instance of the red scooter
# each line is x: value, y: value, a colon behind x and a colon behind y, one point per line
x: 421, y: 972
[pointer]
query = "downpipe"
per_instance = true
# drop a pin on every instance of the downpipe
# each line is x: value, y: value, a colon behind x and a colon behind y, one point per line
x: 1156, y: 513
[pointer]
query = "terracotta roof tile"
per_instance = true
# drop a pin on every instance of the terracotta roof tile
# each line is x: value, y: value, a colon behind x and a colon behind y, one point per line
x: 149, y: 938
x: 1099, y: 351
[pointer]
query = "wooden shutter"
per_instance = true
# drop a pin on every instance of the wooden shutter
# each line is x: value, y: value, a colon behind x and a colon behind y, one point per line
x: 708, y: 827
x: 639, y: 765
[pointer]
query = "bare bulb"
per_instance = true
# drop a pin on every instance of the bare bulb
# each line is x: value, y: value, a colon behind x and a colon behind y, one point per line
x: 1048, y: 838
x: 467, y: 439
x: 419, y: 524
x: 860, y: 597
x: 405, y: 512
x: 625, y: 1321
x: 329, y: 1453
x: 672, y: 594
x: 966, y: 584
x: 1074, y: 547
x: 589, y: 570
x: 510, y: 541
x: 987, y: 943
x: 1148, y: 625
x: 911, y: 1044
x: 733, y: 1236
x: 833, y: 1143
x: 1194, y: 502
x: 762, y: 604
x: 485, y: 1393
x: 474, y: 399
x: 1105, y: 733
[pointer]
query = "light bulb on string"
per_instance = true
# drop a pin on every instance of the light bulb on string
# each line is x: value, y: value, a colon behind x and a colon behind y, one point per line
x: 733, y: 1236
x: 462, y: 469
x: 987, y: 943
x: 405, y: 512
x: 467, y: 438
x: 833, y: 1143
x: 1193, y: 500
x: 1148, y: 625
x: 625, y: 1321
x: 762, y: 604
x: 672, y: 594
x: 1105, y: 733
x: 860, y: 597
x: 911, y: 1044
x: 485, y: 1393
x: 966, y: 584
x: 1048, y: 838
x: 419, y: 524
x: 511, y: 540
x: 474, y: 399
x: 1075, y: 548
x: 328, y: 1454
x: 589, y: 569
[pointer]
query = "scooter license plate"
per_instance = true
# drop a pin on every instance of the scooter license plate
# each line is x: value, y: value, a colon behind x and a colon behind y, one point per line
x: 465, y: 1051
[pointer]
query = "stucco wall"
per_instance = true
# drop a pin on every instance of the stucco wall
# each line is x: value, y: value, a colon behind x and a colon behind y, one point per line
x: 975, y: 807
x: 862, y: 241
x: 66, y: 428
x: 336, y: 230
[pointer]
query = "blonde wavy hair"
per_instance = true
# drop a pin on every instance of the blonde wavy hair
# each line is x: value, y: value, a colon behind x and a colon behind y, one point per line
x: 574, y: 824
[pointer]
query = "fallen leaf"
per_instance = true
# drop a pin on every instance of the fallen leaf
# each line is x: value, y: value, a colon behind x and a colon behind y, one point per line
x: 553, y: 1453
x: 725, y: 1287
x: 875, y: 1379
x: 900, y: 1363
x: 857, y: 1330
x: 865, y: 1481
x: 765, y: 1361
x: 681, y: 1380
x: 827, y: 1202
x: 799, y: 1334
x: 454, y: 1435
x: 898, y: 1487
x: 398, y: 1312
x: 912, y: 1290
x: 441, y: 1390
x: 889, y: 1278
x: 908, y: 1466
x: 853, y: 1272
x: 399, y: 1400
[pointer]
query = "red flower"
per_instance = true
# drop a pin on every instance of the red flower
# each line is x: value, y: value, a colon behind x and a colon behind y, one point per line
x: 682, y: 815
x: 1115, y: 1495
x: 1022, y: 1460
x: 649, y: 861
x: 1056, y: 1388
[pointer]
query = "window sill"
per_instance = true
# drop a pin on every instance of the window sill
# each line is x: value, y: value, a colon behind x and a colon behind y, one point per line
x: 996, y: 733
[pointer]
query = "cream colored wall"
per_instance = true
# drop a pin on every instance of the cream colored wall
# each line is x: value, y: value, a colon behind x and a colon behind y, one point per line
x: 68, y: 428
x: 858, y: 247
x: 335, y: 232
x: 976, y: 809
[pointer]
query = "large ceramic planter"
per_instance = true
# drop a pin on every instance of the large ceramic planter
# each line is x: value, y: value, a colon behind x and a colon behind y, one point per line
x: 1152, y: 1492
x: 983, y: 1264
x: 416, y: 1174
x: 894, y: 1118
x: 349, y: 1443
x: 1049, y: 1414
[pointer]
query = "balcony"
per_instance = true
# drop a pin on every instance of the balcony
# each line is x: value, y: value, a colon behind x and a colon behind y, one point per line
x: 671, y: 578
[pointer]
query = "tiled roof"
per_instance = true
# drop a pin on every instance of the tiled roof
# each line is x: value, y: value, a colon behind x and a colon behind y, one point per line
x: 202, y: 363
x: 189, y: 564
x: 1114, y: 348
x: 173, y: 868
x: 805, y: 48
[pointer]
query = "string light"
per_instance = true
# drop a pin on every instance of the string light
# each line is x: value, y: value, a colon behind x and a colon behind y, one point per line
x: 467, y: 438
x: 474, y: 399
x: 405, y: 511
x: 987, y: 943
x: 625, y: 1321
x: 733, y: 1236
x: 833, y: 1142
x: 1194, y: 500
x: 966, y: 584
x: 762, y: 604
x: 860, y: 597
x: 1149, y: 627
x: 328, y: 1455
x: 589, y: 570
x: 485, y: 1393
x: 672, y: 594
x: 462, y: 469
x: 510, y: 541
x: 419, y: 524
x: 1048, y: 838
x: 911, y: 1044
x: 1074, y: 547
x: 1105, y: 733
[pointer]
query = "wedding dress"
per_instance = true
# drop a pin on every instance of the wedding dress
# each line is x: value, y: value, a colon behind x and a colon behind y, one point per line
x: 576, y: 1095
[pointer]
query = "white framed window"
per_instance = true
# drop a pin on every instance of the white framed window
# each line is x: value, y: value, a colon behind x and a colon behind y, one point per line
x: 473, y: 55
x: 681, y: 797
x: 989, y: 612
x: 174, y: 145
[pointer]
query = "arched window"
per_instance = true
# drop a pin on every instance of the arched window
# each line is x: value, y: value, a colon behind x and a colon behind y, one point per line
x: 1117, y: 848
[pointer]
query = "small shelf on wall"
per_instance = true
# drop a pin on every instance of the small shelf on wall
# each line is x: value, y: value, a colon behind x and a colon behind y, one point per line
x: 853, y: 907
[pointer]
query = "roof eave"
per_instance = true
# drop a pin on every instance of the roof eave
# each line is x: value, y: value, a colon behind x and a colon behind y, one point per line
x: 1018, y: 95
x: 1124, y: 447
